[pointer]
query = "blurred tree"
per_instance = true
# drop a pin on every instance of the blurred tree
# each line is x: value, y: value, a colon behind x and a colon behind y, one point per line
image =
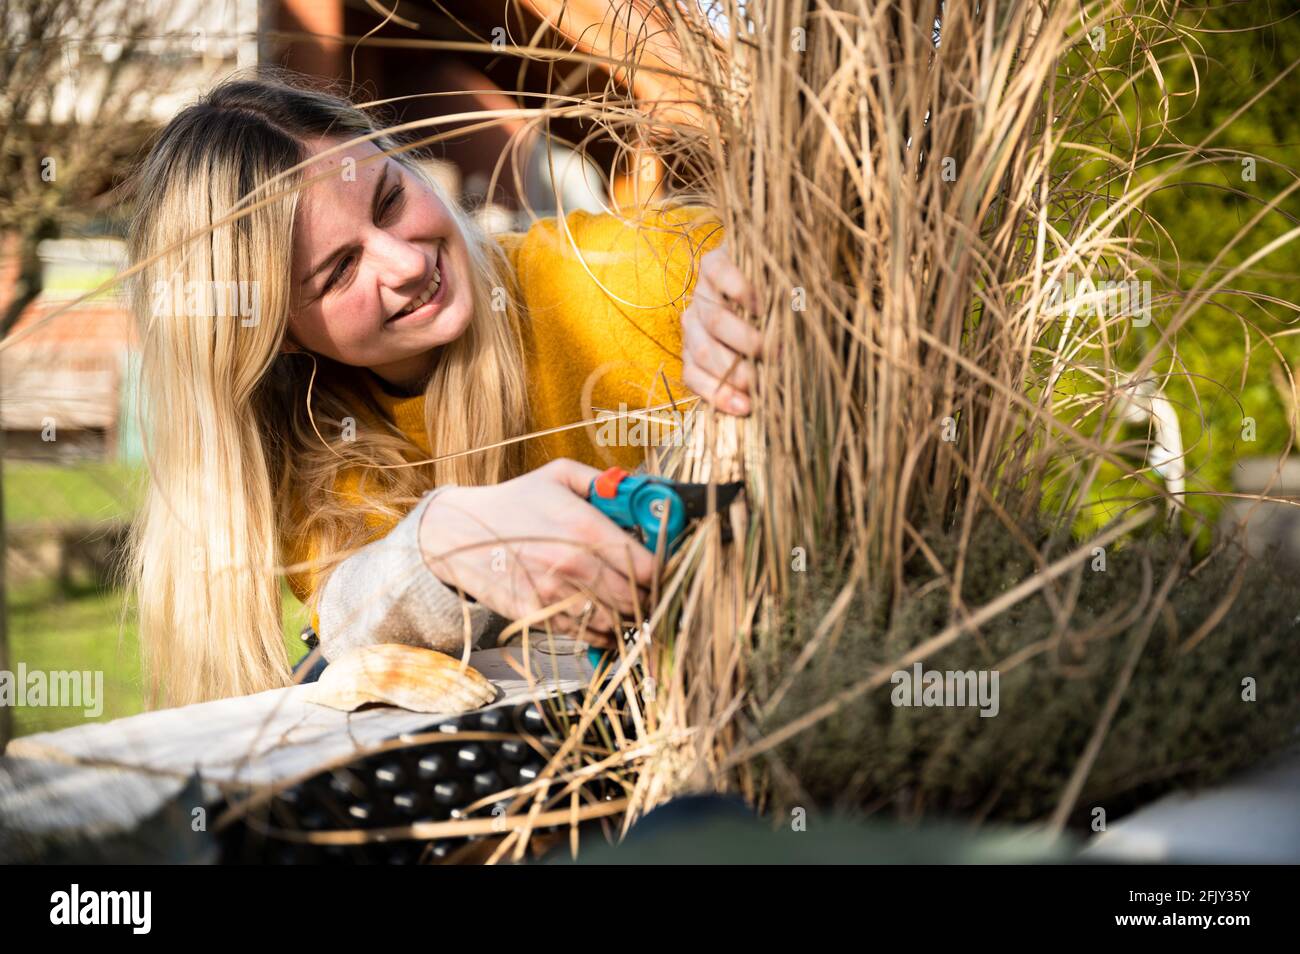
x: 1228, y: 362
x: 73, y: 74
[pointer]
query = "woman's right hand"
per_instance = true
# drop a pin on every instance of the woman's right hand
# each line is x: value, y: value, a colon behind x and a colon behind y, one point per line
x: 528, y: 543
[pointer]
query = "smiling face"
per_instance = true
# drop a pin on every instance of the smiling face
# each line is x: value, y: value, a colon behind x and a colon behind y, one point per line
x: 380, y: 268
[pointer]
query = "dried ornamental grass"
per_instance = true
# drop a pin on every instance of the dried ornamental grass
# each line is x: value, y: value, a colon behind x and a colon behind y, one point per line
x: 906, y: 195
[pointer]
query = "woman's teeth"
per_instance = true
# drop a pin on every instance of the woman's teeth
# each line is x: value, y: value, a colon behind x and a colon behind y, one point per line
x: 424, y: 296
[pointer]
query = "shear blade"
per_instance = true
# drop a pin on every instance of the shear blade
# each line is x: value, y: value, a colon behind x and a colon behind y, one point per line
x: 695, y: 497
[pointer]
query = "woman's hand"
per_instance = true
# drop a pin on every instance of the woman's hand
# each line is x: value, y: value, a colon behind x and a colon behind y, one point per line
x: 531, y: 542
x: 718, y: 346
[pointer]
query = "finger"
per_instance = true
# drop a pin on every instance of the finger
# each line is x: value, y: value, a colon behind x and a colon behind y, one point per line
x: 592, y: 628
x: 734, y: 332
x: 613, y: 589
x: 598, y: 640
x: 715, y: 358
x: 618, y: 553
x: 598, y: 561
x: 532, y: 612
x: 601, y: 620
x: 584, y: 612
x: 725, y: 276
x: 721, y: 396
x: 601, y: 583
x: 606, y: 539
x: 576, y: 476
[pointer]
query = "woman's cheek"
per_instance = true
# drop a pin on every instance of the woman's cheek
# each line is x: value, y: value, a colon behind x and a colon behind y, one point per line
x: 353, y: 325
x: 319, y: 331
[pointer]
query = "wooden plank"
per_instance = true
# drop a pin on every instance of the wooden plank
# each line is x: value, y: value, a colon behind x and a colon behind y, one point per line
x: 52, y: 813
x: 277, y: 734
x: 41, y: 797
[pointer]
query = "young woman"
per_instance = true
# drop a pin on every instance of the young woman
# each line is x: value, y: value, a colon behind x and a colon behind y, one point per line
x: 352, y: 422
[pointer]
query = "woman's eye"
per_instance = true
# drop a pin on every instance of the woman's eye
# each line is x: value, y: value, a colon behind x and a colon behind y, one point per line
x: 340, y: 270
x: 392, y: 201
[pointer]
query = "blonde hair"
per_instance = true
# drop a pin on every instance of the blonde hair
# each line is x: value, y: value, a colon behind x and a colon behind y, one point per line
x: 237, y: 464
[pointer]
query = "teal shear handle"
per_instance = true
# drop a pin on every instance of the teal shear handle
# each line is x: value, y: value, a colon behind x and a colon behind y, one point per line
x: 640, y: 503
x: 650, y: 506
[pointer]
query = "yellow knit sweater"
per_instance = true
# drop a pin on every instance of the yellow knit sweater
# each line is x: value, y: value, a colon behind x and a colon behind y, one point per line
x: 572, y: 327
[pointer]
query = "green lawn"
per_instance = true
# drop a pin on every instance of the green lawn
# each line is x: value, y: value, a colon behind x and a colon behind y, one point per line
x: 83, y: 631
x: 64, y: 493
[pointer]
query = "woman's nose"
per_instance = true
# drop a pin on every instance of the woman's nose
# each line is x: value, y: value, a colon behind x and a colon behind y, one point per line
x: 400, y: 264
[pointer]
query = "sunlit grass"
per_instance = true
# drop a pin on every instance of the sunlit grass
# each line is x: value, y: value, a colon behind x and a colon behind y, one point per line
x: 41, y: 492
x: 83, y: 630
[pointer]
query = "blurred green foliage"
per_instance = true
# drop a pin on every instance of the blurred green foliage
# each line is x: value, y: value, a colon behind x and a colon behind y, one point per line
x: 83, y: 628
x: 1229, y: 354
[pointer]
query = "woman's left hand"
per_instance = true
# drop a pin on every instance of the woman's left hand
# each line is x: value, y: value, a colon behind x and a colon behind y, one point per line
x: 718, y: 346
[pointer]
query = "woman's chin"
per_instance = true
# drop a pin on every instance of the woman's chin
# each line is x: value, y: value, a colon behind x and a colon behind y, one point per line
x: 450, y: 325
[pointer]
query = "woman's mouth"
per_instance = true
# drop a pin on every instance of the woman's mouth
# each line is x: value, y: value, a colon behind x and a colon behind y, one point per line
x: 429, y: 300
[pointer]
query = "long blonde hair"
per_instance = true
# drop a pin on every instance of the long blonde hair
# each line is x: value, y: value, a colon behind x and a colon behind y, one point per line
x: 236, y: 457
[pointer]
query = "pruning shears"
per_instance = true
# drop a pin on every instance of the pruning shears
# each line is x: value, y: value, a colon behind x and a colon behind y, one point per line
x: 648, y: 505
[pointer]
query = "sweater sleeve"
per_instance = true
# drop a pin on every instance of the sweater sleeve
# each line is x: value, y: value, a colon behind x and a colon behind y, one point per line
x: 307, y: 573
x: 386, y: 593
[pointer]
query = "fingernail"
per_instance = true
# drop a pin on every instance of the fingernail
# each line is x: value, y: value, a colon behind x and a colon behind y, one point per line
x: 739, y: 404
